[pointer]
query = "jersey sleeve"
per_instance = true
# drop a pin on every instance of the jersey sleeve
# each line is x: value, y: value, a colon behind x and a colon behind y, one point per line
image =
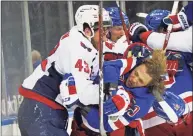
x: 78, y: 63
x: 138, y: 108
x: 116, y: 50
x: 178, y: 41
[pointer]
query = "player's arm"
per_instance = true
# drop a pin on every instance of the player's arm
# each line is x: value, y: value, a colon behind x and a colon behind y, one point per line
x: 135, y: 110
x: 179, y: 41
x: 69, y: 62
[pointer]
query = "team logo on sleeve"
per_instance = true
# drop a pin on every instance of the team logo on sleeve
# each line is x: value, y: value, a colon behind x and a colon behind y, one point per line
x: 84, y: 46
x: 176, y: 107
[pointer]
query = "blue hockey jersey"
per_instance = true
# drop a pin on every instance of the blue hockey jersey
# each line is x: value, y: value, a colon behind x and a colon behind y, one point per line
x: 142, y: 101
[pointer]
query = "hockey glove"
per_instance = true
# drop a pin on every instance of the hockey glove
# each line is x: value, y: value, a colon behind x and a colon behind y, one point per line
x: 135, y: 30
x: 179, y: 21
x: 175, y: 63
x: 118, y: 104
x: 68, y: 91
x: 139, y: 50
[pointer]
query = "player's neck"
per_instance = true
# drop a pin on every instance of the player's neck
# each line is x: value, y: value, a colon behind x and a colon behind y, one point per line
x: 95, y: 44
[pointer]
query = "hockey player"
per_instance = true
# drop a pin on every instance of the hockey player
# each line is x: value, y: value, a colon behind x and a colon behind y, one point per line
x: 116, y: 31
x: 174, y: 64
x: 151, y: 120
x: 137, y: 89
x: 157, y: 21
x: 181, y: 85
x: 51, y: 87
x: 115, y: 37
x: 111, y: 51
x: 112, y: 48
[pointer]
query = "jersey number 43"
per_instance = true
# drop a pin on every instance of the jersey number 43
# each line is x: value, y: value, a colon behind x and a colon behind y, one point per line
x: 82, y: 66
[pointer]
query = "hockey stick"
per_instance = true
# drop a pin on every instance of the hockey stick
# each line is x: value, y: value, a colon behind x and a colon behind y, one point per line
x: 123, y: 23
x: 169, y: 29
x: 101, y: 87
x: 166, y: 108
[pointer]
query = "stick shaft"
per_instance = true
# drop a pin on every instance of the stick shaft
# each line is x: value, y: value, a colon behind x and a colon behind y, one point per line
x: 169, y: 29
x: 123, y: 23
x: 167, y: 109
x: 100, y: 49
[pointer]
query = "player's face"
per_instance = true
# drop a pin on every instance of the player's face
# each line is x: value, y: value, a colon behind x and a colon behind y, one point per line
x: 116, y: 33
x: 95, y: 39
x: 139, y: 77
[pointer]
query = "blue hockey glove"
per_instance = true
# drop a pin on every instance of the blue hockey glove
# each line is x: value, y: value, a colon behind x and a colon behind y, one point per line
x: 139, y: 50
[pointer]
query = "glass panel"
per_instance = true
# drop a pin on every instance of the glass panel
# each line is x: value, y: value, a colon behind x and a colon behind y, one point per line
x: 13, y: 55
x: 48, y: 22
x: 133, y: 7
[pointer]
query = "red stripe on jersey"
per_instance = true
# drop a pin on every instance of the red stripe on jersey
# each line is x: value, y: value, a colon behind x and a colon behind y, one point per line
x: 72, y: 89
x: 43, y: 64
x: 35, y: 96
x: 110, y: 56
x: 119, y: 124
x: 133, y: 124
x: 188, y: 99
x: 129, y: 64
x: 56, y: 47
x: 109, y: 45
x: 53, y: 50
x: 149, y: 115
x: 144, y: 36
x: 64, y: 36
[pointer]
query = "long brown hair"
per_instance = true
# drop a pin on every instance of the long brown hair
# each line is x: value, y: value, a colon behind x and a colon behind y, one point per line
x: 156, y: 67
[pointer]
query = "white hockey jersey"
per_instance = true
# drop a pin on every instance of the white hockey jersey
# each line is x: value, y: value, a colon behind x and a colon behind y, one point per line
x: 112, y: 50
x: 178, y: 41
x: 73, y: 54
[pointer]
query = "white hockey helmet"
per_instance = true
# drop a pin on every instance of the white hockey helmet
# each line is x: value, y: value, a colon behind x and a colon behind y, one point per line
x: 90, y: 14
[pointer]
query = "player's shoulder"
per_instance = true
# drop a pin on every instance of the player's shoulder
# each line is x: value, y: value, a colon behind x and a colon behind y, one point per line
x: 108, y: 45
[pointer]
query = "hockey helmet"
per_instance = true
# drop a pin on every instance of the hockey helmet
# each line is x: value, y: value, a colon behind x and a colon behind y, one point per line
x: 89, y: 14
x: 154, y: 19
x: 115, y: 16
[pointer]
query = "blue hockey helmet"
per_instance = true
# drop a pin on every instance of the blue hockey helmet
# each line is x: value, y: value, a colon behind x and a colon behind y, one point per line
x: 115, y: 16
x: 174, y: 101
x: 154, y: 19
